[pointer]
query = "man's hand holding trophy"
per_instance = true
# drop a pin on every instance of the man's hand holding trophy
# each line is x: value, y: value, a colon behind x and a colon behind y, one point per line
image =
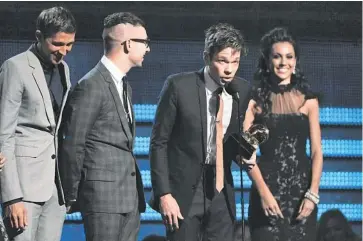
x: 248, y: 142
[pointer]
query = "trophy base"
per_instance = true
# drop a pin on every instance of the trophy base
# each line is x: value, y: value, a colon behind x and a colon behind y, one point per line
x: 247, y: 148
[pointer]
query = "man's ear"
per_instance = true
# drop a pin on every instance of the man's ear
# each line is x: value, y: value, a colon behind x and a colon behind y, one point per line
x: 38, y: 35
x: 127, y: 46
x: 206, y: 58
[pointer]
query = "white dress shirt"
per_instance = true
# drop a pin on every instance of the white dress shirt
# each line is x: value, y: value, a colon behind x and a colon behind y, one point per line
x: 117, y: 76
x: 210, y: 87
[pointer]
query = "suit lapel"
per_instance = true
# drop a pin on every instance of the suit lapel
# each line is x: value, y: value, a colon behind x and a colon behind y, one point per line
x: 129, y: 96
x: 38, y: 75
x: 202, y: 107
x: 64, y: 74
x: 117, y: 100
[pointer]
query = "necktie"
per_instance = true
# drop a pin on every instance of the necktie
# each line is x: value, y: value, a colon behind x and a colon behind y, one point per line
x: 215, y: 140
x: 126, y: 102
x: 219, y: 147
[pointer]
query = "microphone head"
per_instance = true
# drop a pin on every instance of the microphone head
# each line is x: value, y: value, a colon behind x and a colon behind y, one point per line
x: 232, y: 88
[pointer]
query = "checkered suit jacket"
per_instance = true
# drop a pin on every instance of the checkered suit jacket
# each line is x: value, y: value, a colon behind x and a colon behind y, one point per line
x: 97, y: 164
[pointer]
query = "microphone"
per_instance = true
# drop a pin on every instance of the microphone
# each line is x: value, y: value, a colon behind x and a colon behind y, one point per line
x: 232, y: 89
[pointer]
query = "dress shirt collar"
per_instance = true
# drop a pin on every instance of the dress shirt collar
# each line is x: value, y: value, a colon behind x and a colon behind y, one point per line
x: 116, y: 74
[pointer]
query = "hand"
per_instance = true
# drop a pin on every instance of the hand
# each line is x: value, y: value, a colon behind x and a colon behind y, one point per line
x: 270, y: 206
x: 306, y: 207
x: 247, y: 164
x: 169, y: 208
x: 17, y: 214
x: 69, y: 207
x: 2, y: 161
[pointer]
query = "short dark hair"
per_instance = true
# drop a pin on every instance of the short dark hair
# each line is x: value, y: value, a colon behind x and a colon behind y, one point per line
x: 122, y: 18
x: 56, y: 19
x: 221, y: 36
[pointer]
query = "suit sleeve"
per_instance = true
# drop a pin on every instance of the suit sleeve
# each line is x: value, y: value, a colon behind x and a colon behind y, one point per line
x: 79, y: 116
x: 11, y: 90
x: 160, y: 137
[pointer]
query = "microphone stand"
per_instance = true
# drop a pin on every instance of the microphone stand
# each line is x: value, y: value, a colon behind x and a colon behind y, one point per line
x: 233, y: 89
x: 241, y: 170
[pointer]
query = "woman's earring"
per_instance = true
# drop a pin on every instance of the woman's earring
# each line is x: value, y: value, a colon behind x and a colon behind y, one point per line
x: 294, y: 71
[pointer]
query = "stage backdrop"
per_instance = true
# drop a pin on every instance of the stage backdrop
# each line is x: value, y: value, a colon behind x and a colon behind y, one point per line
x: 333, y: 68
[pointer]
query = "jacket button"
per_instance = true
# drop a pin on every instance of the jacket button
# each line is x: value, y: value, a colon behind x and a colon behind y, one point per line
x: 53, y: 156
x: 133, y: 173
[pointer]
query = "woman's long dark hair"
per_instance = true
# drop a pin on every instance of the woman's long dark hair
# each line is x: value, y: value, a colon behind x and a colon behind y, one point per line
x: 262, y: 77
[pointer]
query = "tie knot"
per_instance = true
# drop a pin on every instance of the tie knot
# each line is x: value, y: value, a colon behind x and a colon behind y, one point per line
x: 218, y: 91
x: 124, y: 81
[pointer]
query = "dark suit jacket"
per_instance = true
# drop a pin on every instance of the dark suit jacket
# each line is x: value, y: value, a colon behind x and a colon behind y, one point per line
x: 98, y: 167
x: 179, y: 139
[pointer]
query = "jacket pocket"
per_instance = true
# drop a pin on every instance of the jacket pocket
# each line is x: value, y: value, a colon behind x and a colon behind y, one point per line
x: 100, y: 175
x: 28, y: 151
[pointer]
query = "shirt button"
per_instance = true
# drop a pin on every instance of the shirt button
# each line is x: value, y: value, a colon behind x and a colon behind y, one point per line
x: 53, y: 156
x: 133, y: 173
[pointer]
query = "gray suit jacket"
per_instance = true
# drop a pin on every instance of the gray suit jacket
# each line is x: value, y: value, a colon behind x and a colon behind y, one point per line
x: 98, y: 167
x: 28, y: 132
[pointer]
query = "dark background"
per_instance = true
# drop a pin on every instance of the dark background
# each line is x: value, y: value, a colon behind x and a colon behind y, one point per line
x: 187, y: 20
x: 329, y: 34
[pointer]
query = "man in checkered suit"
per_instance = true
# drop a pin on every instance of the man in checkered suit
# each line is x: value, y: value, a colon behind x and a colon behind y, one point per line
x: 99, y: 170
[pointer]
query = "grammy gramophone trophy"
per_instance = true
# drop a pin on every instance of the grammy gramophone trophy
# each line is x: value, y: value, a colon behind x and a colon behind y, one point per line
x: 250, y: 139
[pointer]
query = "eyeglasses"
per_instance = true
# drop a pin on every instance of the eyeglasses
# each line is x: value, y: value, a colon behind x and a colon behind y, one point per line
x: 144, y: 41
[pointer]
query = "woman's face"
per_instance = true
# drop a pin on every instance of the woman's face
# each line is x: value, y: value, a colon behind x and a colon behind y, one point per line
x: 282, y: 61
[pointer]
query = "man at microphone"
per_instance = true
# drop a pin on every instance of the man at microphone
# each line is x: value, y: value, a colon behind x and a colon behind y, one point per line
x: 190, y: 152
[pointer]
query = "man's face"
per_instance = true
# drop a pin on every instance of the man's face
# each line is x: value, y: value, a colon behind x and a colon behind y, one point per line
x: 224, y: 64
x: 138, y: 45
x: 55, y: 47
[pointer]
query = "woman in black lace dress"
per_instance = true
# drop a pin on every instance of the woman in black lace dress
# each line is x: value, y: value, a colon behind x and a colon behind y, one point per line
x: 285, y: 188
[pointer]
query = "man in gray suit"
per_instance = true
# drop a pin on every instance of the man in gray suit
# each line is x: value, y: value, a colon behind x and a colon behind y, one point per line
x: 98, y: 168
x: 33, y: 88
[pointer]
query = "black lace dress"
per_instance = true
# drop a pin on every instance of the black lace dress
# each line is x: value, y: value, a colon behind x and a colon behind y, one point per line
x: 3, y: 235
x: 286, y: 170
